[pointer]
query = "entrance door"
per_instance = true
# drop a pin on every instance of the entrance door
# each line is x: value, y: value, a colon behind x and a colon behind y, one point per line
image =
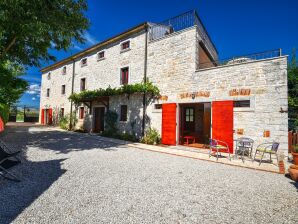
x: 223, y: 122
x: 99, y: 113
x: 169, y: 124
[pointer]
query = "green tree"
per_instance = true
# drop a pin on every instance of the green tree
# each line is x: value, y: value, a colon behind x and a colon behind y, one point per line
x: 293, y: 90
x: 28, y: 29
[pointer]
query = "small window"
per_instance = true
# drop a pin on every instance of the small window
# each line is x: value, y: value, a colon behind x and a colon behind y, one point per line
x: 158, y: 106
x: 124, y: 76
x: 49, y: 76
x: 84, y: 62
x: 123, y: 113
x: 125, y: 45
x: 64, y: 70
x: 242, y: 103
x: 101, y: 55
x: 82, y: 113
x: 63, y: 89
x: 189, y: 114
x: 83, y: 84
x: 61, y: 112
x: 48, y: 92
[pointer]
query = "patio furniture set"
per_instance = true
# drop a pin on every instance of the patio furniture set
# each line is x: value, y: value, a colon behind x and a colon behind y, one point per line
x: 243, y: 147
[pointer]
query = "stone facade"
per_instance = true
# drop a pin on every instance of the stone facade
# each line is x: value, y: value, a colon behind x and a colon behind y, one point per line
x: 172, y: 65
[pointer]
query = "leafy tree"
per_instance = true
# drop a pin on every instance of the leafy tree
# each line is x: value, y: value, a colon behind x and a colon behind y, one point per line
x: 11, y: 85
x: 293, y: 90
x: 28, y: 29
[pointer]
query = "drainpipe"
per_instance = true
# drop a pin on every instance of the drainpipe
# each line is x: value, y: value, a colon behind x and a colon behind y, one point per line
x: 145, y: 80
x: 72, y: 87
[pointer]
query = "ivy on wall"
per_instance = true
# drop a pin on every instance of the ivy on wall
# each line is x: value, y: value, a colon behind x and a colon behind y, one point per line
x: 146, y: 88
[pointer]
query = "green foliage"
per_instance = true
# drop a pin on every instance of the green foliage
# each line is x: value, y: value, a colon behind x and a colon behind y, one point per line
x: 29, y: 28
x: 64, y: 121
x: 4, y: 112
x: 111, y: 118
x: 293, y: 91
x: 148, y: 88
x: 151, y: 137
x: 12, y: 86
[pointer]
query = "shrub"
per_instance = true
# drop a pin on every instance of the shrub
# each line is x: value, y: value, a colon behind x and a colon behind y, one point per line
x: 151, y: 137
x: 111, y: 118
x: 64, y: 121
x: 128, y: 137
x: 4, y: 112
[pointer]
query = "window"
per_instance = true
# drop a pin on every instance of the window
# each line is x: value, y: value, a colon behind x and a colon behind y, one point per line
x: 49, y: 76
x: 124, y: 76
x: 101, y: 55
x: 123, y: 113
x: 83, y: 62
x: 61, y: 112
x: 63, y: 89
x: 189, y: 118
x: 82, y: 112
x: 242, y: 103
x: 125, y: 45
x: 64, y: 70
x: 158, y: 106
x: 48, y: 92
x: 83, y: 84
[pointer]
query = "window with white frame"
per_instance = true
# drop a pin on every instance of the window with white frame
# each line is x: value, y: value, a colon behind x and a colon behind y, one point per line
x: 83, y: 62
x: 49, y: 76
x: 64, y: 70
x: 125, y: 45
x: 101, y: 55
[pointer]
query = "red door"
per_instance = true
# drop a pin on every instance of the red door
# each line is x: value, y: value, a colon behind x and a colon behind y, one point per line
x: 168, y: 135
x: 42, y: 116
x: 50, y: 116
x: 223, y: 122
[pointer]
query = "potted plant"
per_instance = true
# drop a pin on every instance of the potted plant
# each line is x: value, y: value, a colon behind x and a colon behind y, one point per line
x: 295, y: 154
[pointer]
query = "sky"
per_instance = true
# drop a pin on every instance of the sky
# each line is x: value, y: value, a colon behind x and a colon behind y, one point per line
x: 236, y: 27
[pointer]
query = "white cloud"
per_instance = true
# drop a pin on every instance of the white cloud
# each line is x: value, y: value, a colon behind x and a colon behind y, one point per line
x: 34, y: 89
x: 33, y: 98
x: 90, y: 39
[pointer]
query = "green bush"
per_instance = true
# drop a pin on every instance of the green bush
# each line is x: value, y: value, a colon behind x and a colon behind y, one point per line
x: 64, y: 121
x: 111, y: 119
x: 128, y: 137
x: 151, y: 137
x: 4, y: 112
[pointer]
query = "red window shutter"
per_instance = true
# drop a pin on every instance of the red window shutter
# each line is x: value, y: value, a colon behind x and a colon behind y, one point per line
x: 169, y: 124
x: 42, y: 116
x: 1, y: 125
x: 223, y: 122
x: 50, y: 116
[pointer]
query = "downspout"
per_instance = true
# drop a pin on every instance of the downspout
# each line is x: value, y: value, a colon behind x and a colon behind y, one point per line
x: 72, y: 88
x: 145, y: 80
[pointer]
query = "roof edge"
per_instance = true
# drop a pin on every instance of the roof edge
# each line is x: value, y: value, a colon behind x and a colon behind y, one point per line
x: 88, y: 50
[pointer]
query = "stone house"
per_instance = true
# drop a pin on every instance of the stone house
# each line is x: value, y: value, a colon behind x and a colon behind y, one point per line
x: 200, y: 95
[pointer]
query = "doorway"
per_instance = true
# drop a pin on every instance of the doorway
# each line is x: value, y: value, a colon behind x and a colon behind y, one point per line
x: 195, y: 124
x: 99, y: 113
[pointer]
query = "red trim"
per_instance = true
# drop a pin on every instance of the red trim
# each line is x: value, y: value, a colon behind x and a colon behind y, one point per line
x: 50, y: 114
x: 1, y: 125
x: 223, y: 122
x: 42, y: 116
x: 169, y: 124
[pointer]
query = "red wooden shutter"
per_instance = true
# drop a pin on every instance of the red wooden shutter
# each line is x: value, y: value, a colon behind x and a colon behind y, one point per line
x: 169, y: 124
x: 50, y: 116
x: 1, y: 125
x: 42, y: 116
x: 223, y: 122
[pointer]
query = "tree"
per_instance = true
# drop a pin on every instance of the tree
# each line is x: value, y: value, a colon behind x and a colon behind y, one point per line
x: 293, y: 91
x: 11, y: 86
x: 28, y: 29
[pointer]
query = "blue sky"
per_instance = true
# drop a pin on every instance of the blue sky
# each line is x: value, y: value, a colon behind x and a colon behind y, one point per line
x: 236, y: 27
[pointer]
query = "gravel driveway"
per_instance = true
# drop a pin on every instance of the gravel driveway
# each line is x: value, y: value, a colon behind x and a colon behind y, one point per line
x: 76, y: 178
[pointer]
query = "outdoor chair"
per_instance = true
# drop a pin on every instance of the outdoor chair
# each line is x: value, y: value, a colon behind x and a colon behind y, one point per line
x: 7, y: 161
x: 270, y: 148
x: 218, y: 147
x: 244, y: 145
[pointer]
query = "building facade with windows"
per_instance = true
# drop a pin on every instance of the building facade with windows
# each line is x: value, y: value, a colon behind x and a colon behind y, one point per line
x: 201, y: 96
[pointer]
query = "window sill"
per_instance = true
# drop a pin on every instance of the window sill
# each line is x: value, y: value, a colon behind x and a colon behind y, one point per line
x: 101, y: 59
x: 125, y: 50
x: 244, y: 109
x: 83, y: 65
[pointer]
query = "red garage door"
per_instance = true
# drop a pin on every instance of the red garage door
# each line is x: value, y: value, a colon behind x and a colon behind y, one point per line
x: 223, y: 122
x: 169, y: 124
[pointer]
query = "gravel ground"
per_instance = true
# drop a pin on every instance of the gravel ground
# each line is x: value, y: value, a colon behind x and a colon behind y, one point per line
x: 75, y: 178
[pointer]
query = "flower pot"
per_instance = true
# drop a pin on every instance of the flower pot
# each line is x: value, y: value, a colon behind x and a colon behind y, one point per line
x: 294, y: 174
x: 295, y: 157
x: 281, y: 167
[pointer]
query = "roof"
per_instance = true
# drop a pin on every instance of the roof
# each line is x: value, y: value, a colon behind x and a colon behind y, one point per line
x: 97, y: 46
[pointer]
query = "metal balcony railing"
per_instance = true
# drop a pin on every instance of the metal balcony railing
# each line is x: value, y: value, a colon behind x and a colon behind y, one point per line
x: 242, y: 59
x: 181, y: 22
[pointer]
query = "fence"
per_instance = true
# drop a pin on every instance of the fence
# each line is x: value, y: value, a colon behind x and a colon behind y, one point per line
x: 22, y: 113
x: 177, y: 23
x: 293, y: 140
